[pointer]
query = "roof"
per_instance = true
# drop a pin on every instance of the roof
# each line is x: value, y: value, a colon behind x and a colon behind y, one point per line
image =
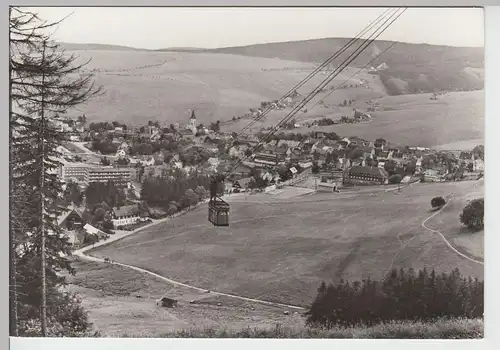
x: 243, y: 183
x: 92, y: 230
x: 127, y: 210
x: 367, y: 170
x: 72, y: 209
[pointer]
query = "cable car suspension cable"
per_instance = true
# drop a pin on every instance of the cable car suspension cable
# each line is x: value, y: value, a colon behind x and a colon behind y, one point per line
x: 325, y: 82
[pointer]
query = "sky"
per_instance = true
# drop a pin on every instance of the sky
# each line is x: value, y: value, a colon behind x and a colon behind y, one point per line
x: 155, y: 28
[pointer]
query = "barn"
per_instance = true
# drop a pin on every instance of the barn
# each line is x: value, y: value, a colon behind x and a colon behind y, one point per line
x: 167, y: 302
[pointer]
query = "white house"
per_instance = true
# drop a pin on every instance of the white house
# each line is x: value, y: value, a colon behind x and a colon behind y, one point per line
x: 126, y: 215
x: 121, y: 153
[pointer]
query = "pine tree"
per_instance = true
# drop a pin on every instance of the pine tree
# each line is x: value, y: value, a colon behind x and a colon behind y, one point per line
x: 42, y: 84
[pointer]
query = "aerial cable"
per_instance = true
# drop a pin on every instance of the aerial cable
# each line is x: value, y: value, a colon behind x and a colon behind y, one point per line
x: 359, y: 71
x: 325, y: 82
x: 319, y: 68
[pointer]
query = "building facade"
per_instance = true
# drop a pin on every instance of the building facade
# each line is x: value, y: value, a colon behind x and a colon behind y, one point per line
x: 121, y: 177
x: 126, y: 215
x: 70, y: 171
x: 365, y: 175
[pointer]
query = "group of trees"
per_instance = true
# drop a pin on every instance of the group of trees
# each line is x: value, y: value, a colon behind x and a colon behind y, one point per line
x: 401, y: 295
x: 109, y: 193
x: 175, y: 190
x: 43, y: 82
x: 102, y: 127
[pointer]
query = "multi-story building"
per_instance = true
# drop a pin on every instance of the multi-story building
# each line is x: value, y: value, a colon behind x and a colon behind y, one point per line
x: 73, y: 171
x: 121, y: 177
x: 365, y: 175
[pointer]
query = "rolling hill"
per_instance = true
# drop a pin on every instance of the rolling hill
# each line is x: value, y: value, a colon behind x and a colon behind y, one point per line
x: 424, y: 67
x: 220, y: 84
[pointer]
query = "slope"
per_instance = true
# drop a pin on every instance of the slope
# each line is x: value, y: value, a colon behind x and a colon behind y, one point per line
x: 443, y: 66
x: 280, y: 252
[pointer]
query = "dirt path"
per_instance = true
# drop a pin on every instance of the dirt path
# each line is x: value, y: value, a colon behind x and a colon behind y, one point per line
x: 444, y: 238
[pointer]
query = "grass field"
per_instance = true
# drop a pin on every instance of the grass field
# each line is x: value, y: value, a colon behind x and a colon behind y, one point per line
x: 122, y: 302
x: 163, y: 86
x: 281, y: 251
x: 417, y: 120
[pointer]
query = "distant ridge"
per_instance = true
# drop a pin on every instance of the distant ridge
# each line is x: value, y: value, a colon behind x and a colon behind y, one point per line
x: 106, y: 47
x: 182, y: 49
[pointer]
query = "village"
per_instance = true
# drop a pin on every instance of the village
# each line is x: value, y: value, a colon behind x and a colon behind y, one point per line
x: 119, y: 161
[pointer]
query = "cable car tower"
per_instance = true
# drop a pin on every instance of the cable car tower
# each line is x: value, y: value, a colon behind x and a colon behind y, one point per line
x: 218, y: 209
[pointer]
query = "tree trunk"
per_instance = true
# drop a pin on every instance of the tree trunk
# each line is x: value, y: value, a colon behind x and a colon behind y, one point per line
x: 43, y: 315
x: 12, y: 246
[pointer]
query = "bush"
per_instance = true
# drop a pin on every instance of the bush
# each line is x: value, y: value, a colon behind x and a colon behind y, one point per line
x: 395, y: 179
x: 437, y: 202
x: 401, y: 296
x: 472, y: 215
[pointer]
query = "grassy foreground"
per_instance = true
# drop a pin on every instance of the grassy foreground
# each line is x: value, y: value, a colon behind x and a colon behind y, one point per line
x: 441, y: 329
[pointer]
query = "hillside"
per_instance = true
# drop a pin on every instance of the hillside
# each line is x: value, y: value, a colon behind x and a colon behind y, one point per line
x: 457, y: 117
x: 142, y: 86
x: 281, y: 250
x: 425, y: 68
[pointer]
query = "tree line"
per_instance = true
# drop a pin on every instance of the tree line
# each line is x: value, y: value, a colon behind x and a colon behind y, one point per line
x: 402, y: 295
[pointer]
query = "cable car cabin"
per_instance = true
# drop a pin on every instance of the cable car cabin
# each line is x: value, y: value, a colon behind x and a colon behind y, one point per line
x: 218, y: 209
x: 218, y: 212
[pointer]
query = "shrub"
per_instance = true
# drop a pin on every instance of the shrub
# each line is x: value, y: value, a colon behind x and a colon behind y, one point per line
x: 437, y: 202
x: 395, y: 179
x: 472, y: 215
x: 400, y: 296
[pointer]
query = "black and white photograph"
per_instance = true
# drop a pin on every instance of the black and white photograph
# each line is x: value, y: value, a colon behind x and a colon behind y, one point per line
x: 253, y: 172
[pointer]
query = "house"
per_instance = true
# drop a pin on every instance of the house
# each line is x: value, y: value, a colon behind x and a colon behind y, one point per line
x: 305, y: 165
x: 126, y: 215
x: 382, y: 66
x: 214, y: 162
x: 121, y: 153
x: 478, y: 165
x: 147, y: 161
x: 266, y: 159
x: 155, y: 137
x: 431, y: 175
x: 242, y: 184
x: 186, y: 134
x: 365, y: 175
x: 71, y: 219
x: 241, y: 171
x: 91, y: 230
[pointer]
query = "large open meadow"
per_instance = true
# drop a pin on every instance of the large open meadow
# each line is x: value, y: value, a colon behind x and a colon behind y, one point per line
x: 141, y: 85
x: 457, y: 117
x: 281, y: 250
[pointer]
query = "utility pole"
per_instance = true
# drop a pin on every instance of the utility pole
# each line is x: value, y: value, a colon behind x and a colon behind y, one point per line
x: 41, y: 146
